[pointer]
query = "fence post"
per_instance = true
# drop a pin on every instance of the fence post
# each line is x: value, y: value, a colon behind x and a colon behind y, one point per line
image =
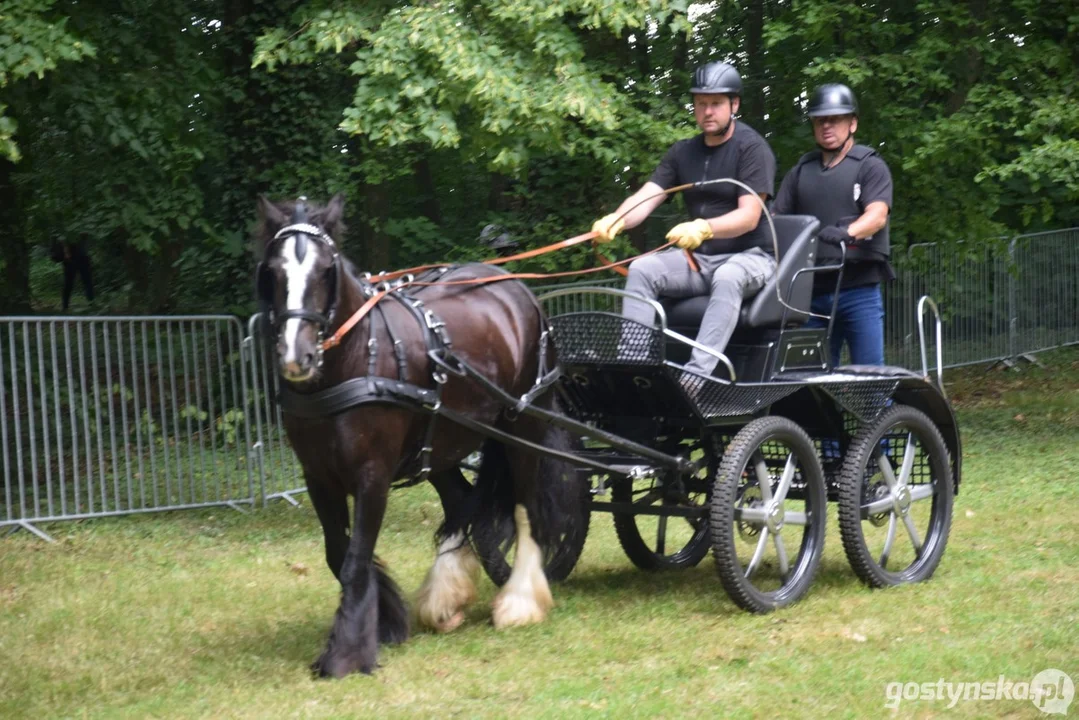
x: 1013, y: 310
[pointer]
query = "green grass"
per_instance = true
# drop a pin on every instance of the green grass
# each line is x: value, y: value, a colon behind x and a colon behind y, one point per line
x: 218, y: 614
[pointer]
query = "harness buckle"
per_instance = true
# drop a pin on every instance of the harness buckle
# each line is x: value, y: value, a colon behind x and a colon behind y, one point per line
x: 438, y: 326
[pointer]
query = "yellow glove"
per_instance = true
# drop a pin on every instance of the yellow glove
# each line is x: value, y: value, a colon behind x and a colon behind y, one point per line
x: 607, y: 227
x: 690, y: 235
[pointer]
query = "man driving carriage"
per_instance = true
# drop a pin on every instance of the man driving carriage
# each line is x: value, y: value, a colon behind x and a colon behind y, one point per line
x: 724, y: 237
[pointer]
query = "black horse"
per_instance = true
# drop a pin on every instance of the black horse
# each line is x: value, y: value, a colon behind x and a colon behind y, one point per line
x: 309, y: 290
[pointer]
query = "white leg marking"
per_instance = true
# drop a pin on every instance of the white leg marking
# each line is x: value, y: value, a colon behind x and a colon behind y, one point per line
x: 297, y: 274
x: 450, y: 585
x: 526, y: 598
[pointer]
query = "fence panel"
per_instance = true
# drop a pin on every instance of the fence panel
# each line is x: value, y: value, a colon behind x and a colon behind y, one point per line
x: 970, y: 285
x: 279, y: 469
x: 1046, y: 298
x: 110, y: 416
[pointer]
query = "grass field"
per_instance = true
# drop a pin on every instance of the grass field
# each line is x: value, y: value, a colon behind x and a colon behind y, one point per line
x: 218, y: 614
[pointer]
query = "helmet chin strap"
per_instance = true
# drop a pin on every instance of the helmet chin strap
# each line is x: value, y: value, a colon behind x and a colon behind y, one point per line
x: 722, y: 132
x: 837, y: 151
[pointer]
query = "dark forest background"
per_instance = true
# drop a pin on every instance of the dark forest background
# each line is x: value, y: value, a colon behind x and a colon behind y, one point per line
x: 145, y: 129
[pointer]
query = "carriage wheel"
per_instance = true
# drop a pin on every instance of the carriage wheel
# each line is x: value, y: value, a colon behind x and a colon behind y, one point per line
x: 895, y: 499
x: 768, y: 514
x: 495, y: 539
x: 668, y: 541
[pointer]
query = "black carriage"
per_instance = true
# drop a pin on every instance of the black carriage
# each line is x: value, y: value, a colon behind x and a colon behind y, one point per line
x: 745, y: 462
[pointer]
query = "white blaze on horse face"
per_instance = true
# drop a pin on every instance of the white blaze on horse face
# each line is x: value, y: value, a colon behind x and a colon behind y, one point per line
x: 296, y: 274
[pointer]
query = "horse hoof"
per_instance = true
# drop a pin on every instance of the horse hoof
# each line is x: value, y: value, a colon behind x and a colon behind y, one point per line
x: 329, y: 665
x: 450, y: 587
x: 512, y: 610
x: 451, y: 623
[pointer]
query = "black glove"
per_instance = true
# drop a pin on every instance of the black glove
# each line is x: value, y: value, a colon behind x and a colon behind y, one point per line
x: 833, y: 235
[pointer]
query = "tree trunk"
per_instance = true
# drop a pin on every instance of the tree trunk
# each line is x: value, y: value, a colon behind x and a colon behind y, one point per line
x: 163, y: 271
x: 15, y: 293
x: 425, y: 182
x: 496, y: 192
x: 376, y: 244
x: 969, y: 68
x: 753, y: 96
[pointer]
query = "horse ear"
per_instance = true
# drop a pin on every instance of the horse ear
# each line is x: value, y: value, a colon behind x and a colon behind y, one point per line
x: 334, y: 211
x: 270, y: 215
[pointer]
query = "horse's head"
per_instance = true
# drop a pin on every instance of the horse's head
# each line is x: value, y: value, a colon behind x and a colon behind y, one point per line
x: 298, y: 280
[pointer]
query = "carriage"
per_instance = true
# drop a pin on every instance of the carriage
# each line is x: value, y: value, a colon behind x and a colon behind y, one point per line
x: 742, y: 463
x: 745, y: 462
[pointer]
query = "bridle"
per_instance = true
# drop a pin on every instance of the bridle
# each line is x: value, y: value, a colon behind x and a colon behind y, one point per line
x: 301, y: 230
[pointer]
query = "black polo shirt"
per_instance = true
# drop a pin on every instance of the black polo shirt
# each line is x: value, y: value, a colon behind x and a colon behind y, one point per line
x: 745, y: 157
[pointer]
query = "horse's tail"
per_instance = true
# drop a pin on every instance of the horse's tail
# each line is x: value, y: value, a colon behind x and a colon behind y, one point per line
x: 558, y: 508
x: 392, y: 611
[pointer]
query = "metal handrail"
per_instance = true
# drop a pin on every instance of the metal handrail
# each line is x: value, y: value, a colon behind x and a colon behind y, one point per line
x: 922, y: 302
x: 660, y: 312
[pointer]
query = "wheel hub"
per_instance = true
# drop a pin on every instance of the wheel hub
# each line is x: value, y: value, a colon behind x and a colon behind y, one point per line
x: 902, y: 499
x: 878, y: 491
x: 751, y: 498
x: 775, y: 517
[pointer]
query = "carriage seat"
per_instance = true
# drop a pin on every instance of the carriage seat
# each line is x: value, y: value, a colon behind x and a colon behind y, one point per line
x: 797, y: 238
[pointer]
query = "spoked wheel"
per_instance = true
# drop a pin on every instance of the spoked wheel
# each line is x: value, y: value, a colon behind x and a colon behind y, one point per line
x: 895, y: 499
x: 671, y: 538
x: 494, y: 539
x: 768, y: 514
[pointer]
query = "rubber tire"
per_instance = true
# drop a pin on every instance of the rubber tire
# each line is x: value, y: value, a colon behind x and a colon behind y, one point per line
x: 852, y: 477
x: 637, y: 550
x: 493, y: 541
x: 725, y: 495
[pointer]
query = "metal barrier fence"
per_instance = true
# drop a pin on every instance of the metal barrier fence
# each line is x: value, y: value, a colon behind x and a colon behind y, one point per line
x: 280, y: 475
x: 110, y: 416
x: 1001, y: 300
x: 119, y: 415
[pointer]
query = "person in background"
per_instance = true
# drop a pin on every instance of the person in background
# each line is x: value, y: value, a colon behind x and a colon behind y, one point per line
x: 848, y: 187
x: 76, y: 261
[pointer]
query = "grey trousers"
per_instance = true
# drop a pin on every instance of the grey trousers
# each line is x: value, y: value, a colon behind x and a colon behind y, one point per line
x: 728, y: 278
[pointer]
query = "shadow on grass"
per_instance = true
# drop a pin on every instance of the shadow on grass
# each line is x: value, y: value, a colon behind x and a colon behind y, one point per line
x: 695, y: 589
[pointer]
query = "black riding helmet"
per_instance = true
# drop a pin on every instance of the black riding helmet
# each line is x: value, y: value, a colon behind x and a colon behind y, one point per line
x: 833, y: 99
x: 717, y: 78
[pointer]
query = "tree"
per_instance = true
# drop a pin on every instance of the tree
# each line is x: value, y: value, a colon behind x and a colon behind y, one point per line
x: 33, y: 40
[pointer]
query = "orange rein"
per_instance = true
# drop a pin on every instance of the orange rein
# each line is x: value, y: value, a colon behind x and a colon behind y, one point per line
x: 335, y: 339
x: 570, y: 242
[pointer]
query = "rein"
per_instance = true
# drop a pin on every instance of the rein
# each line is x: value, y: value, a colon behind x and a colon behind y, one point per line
x: 335, y: 339
x: 384, y: 279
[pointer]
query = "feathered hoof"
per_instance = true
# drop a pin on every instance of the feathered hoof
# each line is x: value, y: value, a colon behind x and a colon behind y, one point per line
x: 449, y: 587
x: 512, y: 609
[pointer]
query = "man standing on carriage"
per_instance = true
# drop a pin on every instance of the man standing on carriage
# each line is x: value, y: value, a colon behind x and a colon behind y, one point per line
x: 848, y: 187
x: 725, y: 249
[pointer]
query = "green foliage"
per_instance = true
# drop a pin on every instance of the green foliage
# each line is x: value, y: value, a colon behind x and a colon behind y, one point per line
x: 229, y: 425
x: 434, y: 119
x: 32, y: 43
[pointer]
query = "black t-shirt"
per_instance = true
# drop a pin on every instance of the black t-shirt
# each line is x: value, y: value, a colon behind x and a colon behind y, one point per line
x: 840, y: 195
x: 746, y: 157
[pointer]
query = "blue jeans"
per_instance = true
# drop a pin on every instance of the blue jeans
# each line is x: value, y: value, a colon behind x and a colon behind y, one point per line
x: 859, y: 321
